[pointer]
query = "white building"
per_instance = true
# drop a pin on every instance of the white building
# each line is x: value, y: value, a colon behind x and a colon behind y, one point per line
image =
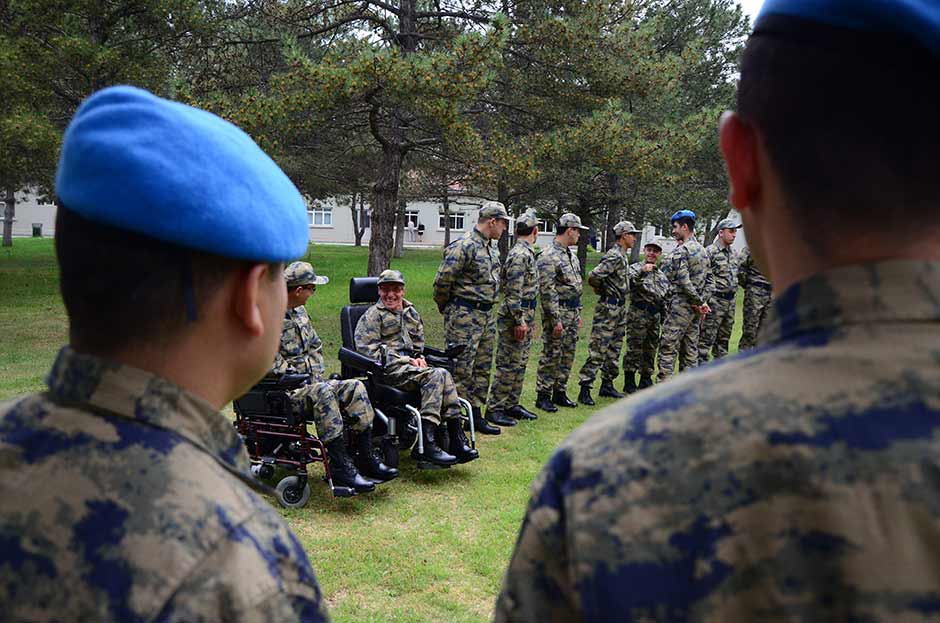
x: 31, y: 213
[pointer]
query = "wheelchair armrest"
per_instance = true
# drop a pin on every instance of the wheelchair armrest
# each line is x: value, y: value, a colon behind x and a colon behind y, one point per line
x: 451, y: 352
x: 439, y: 362
x: 358, y: 361
x: 292, y: 381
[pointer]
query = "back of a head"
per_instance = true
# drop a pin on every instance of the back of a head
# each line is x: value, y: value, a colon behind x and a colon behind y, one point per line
x: 846, y: 105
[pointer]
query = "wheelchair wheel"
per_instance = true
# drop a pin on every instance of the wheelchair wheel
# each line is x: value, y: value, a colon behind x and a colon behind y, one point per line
x: 290, y: 495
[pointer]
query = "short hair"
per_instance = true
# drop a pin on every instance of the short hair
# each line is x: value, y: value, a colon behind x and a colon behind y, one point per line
x: 850, y: 128
x: 524, y: 230
x: 561, y: 229
x: 686, y: 220
x: 121, y: 288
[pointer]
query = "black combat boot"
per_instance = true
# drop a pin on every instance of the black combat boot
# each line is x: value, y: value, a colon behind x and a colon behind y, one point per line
x: 560, y: 398
x: 544, y: 402
x: 498, y: 416
x: 481, y: 425
x: 343, y: 471
x: 629, y: 381
x: 368, y: 464
x: 521, y: 413
x: 608, y: 390
x: 432, y: 452
x: 459, y: 445
x: 645, y: 381
x: 584, y: 396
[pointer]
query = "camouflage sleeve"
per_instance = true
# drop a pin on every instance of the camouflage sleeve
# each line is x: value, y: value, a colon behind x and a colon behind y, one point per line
x: 604, y: 269
x: 513, y: 283
x: 709, y: 287
x: 260, y: 572
x: 368, y: 334
x: 683, y: 281
x: 280, y: 363
x: 547, y: 265
x: 743, y: 262
x: 415, y: 328
x: 636, y: 269
x: 451, y: 266
x: 537, y: 585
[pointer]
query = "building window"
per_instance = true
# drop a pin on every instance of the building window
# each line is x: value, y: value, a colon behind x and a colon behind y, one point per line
x: 546, y: 225
x: 44, y: 201
x: 456, y: 221
x: 320, y: 216
x: 411, y: 216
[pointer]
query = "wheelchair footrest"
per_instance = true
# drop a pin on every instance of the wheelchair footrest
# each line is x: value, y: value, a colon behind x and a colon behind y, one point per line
x: 343, y: 492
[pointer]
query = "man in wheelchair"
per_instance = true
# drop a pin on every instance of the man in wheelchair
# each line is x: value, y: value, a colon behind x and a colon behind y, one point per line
x: 329, y: 403
x: 395, y: 323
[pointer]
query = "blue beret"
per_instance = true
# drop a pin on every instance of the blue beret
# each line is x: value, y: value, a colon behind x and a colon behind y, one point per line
x: 915, y: 20
x: 182, y: 175
x: 682, y: 214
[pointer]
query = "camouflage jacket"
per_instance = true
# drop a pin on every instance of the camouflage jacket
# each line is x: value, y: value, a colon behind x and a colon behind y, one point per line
x: 722, y: 273
x: 651, y: 287
x: 748, y: 273
x: 612, y: 274
x: 521, y: 281
x: 794, y: 482
x: 559, y: 279
x: 301, y: 348
x: 402, y: 332
x: 124, y: 498
x: 688, y: 271
x: 470, y: 270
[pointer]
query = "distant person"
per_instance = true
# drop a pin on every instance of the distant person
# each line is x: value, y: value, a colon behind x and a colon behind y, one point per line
x: 796, y: 481
x: 420, y: 231
x: 412, y: 230
x: 648, y: 288
x: 125, y: 495
x: 721, y: 290
x: 757, y: 291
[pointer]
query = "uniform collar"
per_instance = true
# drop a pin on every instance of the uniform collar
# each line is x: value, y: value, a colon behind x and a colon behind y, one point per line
x: 561, y: 246
x: 476, y: 232
x: 134, y: 394
x: 874, y: 293
x: 405, y: 304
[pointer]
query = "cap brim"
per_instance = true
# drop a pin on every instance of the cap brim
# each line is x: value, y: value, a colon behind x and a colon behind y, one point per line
x: 581, y: 227
x: 321, y: 280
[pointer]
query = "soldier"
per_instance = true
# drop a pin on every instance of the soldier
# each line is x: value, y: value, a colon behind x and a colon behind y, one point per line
x: 757, y: 291
x: 686, y: 307
x: 125, y: 495
x: 721, y: 287
x: 648, y: 288
x: 329, y: 403
x: 560, y: 291
x: 611, y: 280
x: 396, y: 323
x: 465, y: 291
x: 795, y: 482
x: 515, y: 325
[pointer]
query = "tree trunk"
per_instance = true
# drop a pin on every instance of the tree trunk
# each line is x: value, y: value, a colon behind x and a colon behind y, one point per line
x: 400, y: 223
x: 9, y: 202
x: 445, y: 201
x: 585, y: 214
x: 385, y: 208
x: 359, y: 224
x: 502, y: 195
x: 614, y: 212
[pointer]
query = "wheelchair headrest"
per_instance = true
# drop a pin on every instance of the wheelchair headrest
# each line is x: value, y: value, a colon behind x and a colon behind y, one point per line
x: 364, y: 290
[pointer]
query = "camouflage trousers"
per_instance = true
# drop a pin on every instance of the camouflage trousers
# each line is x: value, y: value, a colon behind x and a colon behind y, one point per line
x: 680, y: 333
x: 477, y: 329
x: 512, y: 357
x: 716, y: 330
x: 643, y: 325
x: 756, y: 304
x: 607, y: 331
x: 436, y: 386
x: 330, y: 403
x: 557, y: 352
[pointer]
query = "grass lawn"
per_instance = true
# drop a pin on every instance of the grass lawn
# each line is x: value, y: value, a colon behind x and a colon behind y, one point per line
x: 429, y: 546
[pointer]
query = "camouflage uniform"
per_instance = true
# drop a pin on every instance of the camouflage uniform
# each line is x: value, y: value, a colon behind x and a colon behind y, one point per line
x: 330, y: 402
x: 403, y: 333
x: 647, y: 300
x: 465, y: 290
x: 123, y: 498
x: 560, y: 293
x: 611, y: 276
x: 721, y: 287
x: 681, y: 327
x: 794, y: 482
x: 520, y: 287
x: 757, y: 291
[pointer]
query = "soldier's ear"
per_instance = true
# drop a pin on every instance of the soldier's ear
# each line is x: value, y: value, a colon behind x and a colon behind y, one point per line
x: 739, y: 143
x: 254, y: 299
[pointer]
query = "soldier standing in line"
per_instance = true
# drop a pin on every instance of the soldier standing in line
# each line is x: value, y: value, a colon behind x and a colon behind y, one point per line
x: 757, y: 291
x: 465, y: 290
x: 683, y: 318
x: 331, y: 404
x: 395, y: 322
x: 560, y: 293
x: 721, y: 288
x: 648, y: 288
x: 125, y: 495
x: 611, y: 280
x: 515, y: 325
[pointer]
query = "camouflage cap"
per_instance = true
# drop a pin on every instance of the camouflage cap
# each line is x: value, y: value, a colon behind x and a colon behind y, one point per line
x: 653, y: 243
x: 571, y: 220
x: 391, y: 276
x: 494, y: 209
x: 301, y: 274
x: 729, y: 223
x: 527, y: 219
x: 625, y: 227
